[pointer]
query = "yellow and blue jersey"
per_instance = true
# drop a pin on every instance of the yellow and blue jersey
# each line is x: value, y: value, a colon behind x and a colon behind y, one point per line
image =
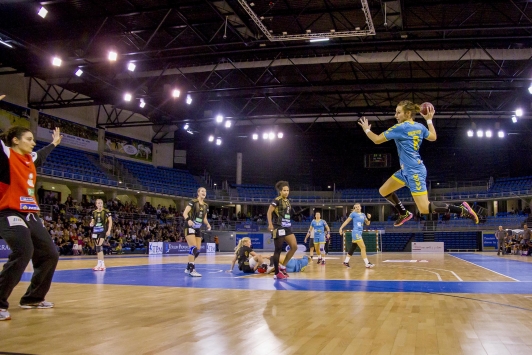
x: 408, y: 137
x: 319, y: 230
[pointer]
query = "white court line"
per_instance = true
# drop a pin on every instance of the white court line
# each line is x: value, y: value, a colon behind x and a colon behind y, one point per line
x: 498, y: 273
x: 418, y: 268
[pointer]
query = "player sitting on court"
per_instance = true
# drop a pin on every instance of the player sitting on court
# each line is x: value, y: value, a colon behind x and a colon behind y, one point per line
x: 248, y: 260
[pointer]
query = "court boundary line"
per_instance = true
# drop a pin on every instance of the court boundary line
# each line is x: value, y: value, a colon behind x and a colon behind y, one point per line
x: 485, y: 268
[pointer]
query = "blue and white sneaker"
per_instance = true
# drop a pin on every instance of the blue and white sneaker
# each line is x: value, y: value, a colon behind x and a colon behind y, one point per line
x: 40, y: 305
x: 4, y: 314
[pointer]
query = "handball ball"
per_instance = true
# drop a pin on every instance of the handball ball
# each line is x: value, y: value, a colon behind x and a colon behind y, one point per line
x: 425, y: 107
x: 261, y: 270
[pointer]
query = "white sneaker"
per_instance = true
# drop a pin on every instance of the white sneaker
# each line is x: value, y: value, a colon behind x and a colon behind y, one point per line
x: 369, y: 265
x: 270, y: 269
x: 40, y: 305
x: 4, y: 314
x: 187, y: 271
x: 194, y: 273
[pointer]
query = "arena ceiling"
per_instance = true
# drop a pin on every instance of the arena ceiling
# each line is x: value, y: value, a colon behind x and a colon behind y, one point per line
x: 253, y: 61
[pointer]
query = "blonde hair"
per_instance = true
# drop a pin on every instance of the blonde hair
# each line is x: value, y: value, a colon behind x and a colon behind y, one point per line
x: 241, y: 243
x: 409, y: 106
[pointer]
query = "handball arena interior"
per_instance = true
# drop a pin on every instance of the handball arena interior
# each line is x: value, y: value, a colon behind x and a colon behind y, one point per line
x: 158, y: 98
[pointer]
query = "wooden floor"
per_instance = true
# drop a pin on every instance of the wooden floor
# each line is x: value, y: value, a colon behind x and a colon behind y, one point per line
x: 127, y: 319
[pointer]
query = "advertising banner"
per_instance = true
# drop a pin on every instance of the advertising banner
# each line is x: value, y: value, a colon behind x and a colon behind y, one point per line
x: 427, y: 247
x: 75, y: 135
x: 156, y: 248
x: 180, y: 248
x: 211, y: 248
x: 489, y: 241
x: 247, y: 227
x: 128, y: 147
x: 4, y: 249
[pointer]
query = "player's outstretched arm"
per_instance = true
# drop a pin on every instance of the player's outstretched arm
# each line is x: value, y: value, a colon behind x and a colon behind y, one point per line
x: 377, y: 139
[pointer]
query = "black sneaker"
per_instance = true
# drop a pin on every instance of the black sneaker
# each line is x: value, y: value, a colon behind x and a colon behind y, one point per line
x: 402, y: 219
x: 468, y: 212
x: 347, y: 265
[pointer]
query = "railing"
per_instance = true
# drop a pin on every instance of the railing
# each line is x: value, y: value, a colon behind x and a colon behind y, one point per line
x: 453, y: 196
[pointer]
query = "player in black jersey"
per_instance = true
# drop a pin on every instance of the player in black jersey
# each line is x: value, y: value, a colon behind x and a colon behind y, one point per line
x: 280, y: 216
x: 248, y: 261
x: 195, y: 215
x: 101, y: 223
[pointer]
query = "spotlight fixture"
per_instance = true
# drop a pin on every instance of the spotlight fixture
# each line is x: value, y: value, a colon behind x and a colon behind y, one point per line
x: 514, y: 119
x: 56, y: 62
x: 127, y: 96
x: 488, y: 134
x: 219, y: 119
x: 190, y: 132
x: 501, y: 134
x: 470, y: 133
x: 280, y: 135
x: 271, y: 135
x: 189, y: 99
x: 112, y: 56
x: 227, y: 124
x: 142, y: 103
x: 480, y: 133
x: 319, y: 40
x: 211, y: 138
x: 218, y: 141
x: 530, y: 89
x: 176, y: 93
x: 255, y: 136
x: 186, y: 126
x: 265, y: 135
x: 519, y: 112
x: 42, y: 12
x: 131, y: 67
x: 79, y: 72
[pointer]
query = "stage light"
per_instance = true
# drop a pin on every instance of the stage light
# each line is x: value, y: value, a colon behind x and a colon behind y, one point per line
x: 519, y: 112
x: 480, y: 133
x: 271, y: 135
x: 318, y: 40
x: 255, y: 136
x: 112, y: 56
x: 57, y: 62
x: 227, y: 124
x: 501, y: 134
x: 79, y: 72
x: 189, y: 100
x: 176, y: 93
x: 280, y: 135
x: 142, y: 103
x: 219, y: 119
x: 127, y: 96
x: 265, y: 135
x: 514, y: 119
x: 211, y: 138
x: 218, y: 141
x: 470, y: 133
x: 488, y: 134
x: 42, y: 12
x: 190, y: 132
x: 131, y: 67
x: 185, y: 127
x: 530, y: 89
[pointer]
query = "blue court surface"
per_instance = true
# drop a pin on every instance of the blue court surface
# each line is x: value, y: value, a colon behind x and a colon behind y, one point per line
x: 214, y: 277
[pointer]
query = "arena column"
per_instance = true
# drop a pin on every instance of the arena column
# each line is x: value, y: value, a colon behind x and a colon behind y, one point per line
x: 76, y: 192
x: 34, y: 121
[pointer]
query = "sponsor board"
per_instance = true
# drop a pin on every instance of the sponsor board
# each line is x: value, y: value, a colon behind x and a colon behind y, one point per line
x: 179, y: 248
x: 428, y: 247
x: 156, y: 248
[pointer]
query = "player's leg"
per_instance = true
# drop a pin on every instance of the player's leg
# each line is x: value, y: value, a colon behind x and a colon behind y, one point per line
x: 192, y: 251
x: 362, y: 246
x: 387, y: 190
x: 350, y: 253
x: 292, y: 243
x: 98, y: 245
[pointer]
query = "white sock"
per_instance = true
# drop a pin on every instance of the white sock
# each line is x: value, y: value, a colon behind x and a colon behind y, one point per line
x: 347, y: 259
x: 366, y: 261
x: 99, y: 262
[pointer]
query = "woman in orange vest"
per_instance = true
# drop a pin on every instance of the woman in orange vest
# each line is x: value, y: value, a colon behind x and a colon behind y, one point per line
x: 20, y: 224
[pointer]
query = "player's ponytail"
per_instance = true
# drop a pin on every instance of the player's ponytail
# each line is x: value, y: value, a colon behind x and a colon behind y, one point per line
x: 240, y: 243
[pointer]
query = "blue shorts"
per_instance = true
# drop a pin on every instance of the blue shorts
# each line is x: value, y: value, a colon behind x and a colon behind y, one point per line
x: 319, y: 239
x: 356, y: 235
x: 413, y: 178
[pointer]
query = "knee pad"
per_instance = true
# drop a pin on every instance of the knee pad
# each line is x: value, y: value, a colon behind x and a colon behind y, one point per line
x: 196, y: 253
x: 352, y: 250
x: 191, y: 250
x: 99, y: 248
